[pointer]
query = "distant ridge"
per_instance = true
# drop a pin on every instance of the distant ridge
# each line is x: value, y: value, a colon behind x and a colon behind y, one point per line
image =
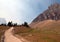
x: 2, y: 21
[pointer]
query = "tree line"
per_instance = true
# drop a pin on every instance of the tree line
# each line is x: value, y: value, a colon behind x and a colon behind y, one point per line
x: 14, y: 24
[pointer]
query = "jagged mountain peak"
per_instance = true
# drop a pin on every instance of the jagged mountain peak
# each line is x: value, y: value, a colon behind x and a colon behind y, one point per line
x: 55, y: 4
x: 52, y: 13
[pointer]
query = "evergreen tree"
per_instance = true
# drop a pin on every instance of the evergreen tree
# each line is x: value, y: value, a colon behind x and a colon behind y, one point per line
x: 26, y: 24
x: 10, y: 23
x: 15, y: 24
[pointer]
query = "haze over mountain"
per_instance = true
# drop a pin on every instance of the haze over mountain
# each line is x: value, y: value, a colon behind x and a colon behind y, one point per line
x: 2, y: 21
x: 52, y: 14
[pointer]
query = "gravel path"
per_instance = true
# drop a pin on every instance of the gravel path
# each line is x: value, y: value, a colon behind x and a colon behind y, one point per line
x: 10, y: 38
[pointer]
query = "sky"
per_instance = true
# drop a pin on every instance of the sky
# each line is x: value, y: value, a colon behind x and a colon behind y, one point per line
x: 20, y: 11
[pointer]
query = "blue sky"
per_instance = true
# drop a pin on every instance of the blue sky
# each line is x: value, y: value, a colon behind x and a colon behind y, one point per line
x: 23, y: 10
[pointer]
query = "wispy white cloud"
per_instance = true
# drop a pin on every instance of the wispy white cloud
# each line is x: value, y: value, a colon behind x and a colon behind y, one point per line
x: 22, y: 10
x: 8, y: 10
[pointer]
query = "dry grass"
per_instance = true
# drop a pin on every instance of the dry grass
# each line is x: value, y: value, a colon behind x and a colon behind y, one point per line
x: 46, y: 23
x: 21, y: 29
x: 2, y: 30
x: 49, y: 33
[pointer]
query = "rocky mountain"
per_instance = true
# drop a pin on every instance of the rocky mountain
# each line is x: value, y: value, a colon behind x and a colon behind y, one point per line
x: 52, y: 13
x: 2, y: 21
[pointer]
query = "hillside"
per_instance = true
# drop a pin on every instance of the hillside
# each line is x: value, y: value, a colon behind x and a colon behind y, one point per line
x: 46, y: 24
x: 52, y: 13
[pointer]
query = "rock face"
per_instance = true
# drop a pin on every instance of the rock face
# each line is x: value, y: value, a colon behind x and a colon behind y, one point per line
x: 52, y: 13
x: 2, y: 21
